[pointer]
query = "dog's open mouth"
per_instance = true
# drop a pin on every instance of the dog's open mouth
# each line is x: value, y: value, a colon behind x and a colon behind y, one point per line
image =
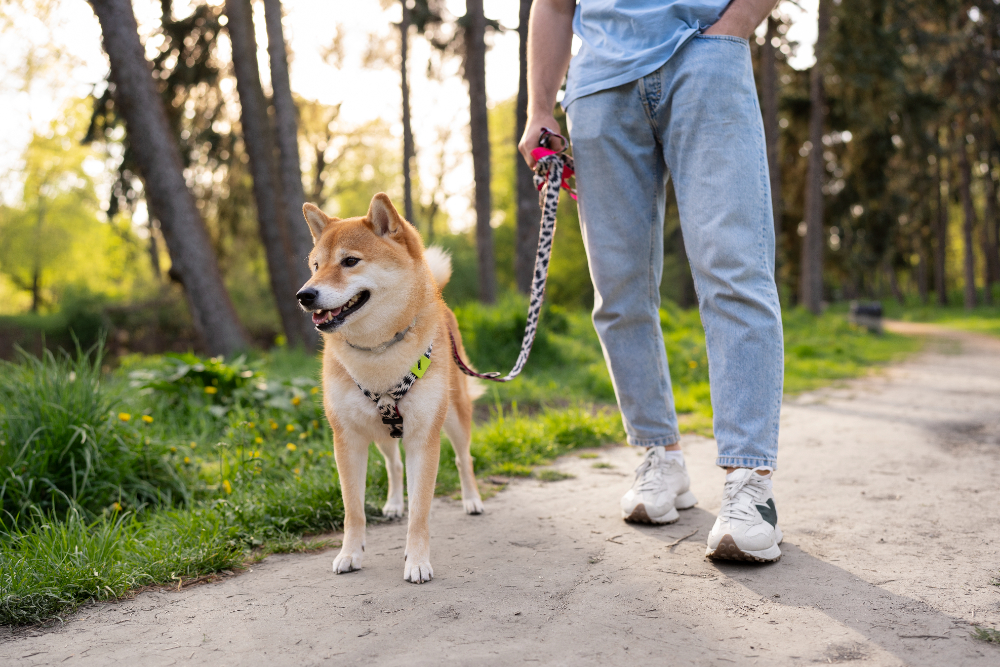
x: 328, y: 320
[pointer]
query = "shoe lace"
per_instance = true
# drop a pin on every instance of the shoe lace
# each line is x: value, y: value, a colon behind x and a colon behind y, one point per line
x: 650, y: 473
x: 739, y: 496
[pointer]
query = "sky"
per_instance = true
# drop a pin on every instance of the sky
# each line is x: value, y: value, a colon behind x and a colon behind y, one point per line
x: 310, y: 25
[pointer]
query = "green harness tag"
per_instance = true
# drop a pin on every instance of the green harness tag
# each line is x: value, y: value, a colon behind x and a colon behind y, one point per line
x: 419, y: 368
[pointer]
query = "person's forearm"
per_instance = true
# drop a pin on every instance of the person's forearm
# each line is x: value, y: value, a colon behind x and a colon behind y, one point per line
x: 550, y: 41
x: 742, y: 17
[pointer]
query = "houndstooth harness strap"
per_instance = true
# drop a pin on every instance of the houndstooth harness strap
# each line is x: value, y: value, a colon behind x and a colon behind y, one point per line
x: 387, y: 403
x: 552, y: 171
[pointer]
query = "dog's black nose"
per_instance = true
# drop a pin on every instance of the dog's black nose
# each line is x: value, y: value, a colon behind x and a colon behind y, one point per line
x: 307, y: 296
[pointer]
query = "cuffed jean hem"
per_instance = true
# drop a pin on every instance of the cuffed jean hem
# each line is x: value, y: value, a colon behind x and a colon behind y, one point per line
x: 654, y: 442
x: 745, y: 462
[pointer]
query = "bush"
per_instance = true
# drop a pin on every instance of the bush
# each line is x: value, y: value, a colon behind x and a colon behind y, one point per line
x: 64, y: 444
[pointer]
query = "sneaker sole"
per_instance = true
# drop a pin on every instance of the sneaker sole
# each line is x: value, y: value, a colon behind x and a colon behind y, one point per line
x: 727, y: 550
x: 683, y: 502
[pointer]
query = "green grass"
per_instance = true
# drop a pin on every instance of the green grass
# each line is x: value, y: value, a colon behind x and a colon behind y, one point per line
x: 983, y: 319
x: 174, y: 466
x: 989, y: 635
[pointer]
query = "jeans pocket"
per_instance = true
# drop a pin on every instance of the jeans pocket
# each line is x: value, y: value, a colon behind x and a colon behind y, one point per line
x: 724, y: 38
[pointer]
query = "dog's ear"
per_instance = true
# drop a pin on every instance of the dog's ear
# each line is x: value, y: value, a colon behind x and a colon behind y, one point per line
x: 383, y: 217
x: 317, y: 220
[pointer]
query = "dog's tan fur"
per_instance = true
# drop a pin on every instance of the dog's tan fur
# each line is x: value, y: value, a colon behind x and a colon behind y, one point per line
x: 405, y: 283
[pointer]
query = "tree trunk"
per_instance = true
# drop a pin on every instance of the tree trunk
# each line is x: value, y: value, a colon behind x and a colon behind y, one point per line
x: 769, y: 111
x: 991, y: 221
x: 287, y: 134
x: 159, y: 162
x: 258, y: 139
x: 404, y: 39
x: 991, y: 224
x: 475, y: 73
x: 969, y: 226
x: 941, y: 233
x: 922, y: 277
x: 811, y: 285
x: 528, y: 215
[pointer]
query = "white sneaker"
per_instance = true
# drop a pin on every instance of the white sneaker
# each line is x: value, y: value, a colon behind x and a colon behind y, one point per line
x: 661, y: 488
x: 747, y: 526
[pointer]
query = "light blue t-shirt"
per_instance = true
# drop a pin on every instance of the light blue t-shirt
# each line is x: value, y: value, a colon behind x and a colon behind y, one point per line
x: 624, y: 40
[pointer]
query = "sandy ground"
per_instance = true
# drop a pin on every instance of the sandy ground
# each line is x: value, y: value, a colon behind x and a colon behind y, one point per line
x: 887, y: 493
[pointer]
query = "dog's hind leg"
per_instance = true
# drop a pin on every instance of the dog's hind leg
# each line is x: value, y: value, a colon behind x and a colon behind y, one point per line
x: 458, y: 428
x: 351, y: 453
x: 393, y: 507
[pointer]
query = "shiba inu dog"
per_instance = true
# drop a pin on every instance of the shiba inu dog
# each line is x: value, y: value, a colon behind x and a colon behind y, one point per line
x: 375, y: 295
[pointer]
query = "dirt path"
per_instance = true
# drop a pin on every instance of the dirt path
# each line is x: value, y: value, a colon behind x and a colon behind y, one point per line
x: 888, y: 495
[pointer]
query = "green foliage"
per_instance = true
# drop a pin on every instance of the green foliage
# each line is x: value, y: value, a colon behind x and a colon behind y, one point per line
x: 825, y: 348
x: 63, y: 443
x: 51, y: 567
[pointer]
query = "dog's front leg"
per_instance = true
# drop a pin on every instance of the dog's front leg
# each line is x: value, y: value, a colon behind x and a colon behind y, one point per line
x: 421, y: 475
x: 351, y: 453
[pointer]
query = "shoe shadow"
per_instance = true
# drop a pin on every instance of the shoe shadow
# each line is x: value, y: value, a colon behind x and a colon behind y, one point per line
x: 908, y: 628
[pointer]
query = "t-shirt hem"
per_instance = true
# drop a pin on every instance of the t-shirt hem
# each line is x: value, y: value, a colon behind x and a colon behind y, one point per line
x: 628, y: 77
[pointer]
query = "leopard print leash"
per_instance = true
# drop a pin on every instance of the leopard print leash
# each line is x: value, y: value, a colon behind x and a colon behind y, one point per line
x: 553, y: 169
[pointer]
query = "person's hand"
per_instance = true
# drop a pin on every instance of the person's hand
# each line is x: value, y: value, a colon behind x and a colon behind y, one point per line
x: 732, y: 28
x: 533, y: 130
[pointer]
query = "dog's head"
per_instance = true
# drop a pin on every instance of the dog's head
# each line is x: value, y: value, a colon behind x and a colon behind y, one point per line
x: 364, y: 270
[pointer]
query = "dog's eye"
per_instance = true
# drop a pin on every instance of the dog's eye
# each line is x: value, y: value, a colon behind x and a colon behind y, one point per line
x: 349, y: 261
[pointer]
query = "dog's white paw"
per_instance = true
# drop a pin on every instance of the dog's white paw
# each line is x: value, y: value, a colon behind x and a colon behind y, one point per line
x: 418, y: 570
x: 473, y: 506
x: 347, y: 561
x: 393, y: 509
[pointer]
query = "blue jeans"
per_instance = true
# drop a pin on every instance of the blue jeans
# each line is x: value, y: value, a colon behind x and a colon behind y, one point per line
x: 695, y: 119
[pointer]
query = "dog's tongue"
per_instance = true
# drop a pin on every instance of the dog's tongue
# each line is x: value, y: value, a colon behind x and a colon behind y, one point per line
x: 320, y: 315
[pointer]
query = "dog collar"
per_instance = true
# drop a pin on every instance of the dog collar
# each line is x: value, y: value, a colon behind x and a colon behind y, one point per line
x: 378, y: 349
x: 387, y: 403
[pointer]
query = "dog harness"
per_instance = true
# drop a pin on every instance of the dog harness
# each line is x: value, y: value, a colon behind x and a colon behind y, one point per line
x: 552, y: 171
x: 388, y: 403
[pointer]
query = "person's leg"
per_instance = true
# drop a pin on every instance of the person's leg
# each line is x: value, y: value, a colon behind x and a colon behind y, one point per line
x: 620, y: 180
x: 621, y: 183
x: 713, y: 141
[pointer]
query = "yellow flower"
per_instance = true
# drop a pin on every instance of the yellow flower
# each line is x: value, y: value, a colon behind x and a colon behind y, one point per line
x: 692, y: 364
x: 258, y: 440
x: 193, y: 444
x: 227, y: 486
x: 124, y: 416
x: 296, y: 400
x: 314, y: 390
x: 290, y: 428
x: 187, y: 459
x: 315, y: 424
x: 297, y: 471
x: 173, y: 449
x: 309, y: 452
x: 211, y: 390
x: 302, y: 436
x: 147, y: 419
x: 116, y: 507
x: 291, y: 447
x: 274, y: 425
x: 251, y: 425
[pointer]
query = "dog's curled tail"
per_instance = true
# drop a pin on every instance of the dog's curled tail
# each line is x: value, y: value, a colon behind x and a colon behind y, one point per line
x: 439, y: 262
